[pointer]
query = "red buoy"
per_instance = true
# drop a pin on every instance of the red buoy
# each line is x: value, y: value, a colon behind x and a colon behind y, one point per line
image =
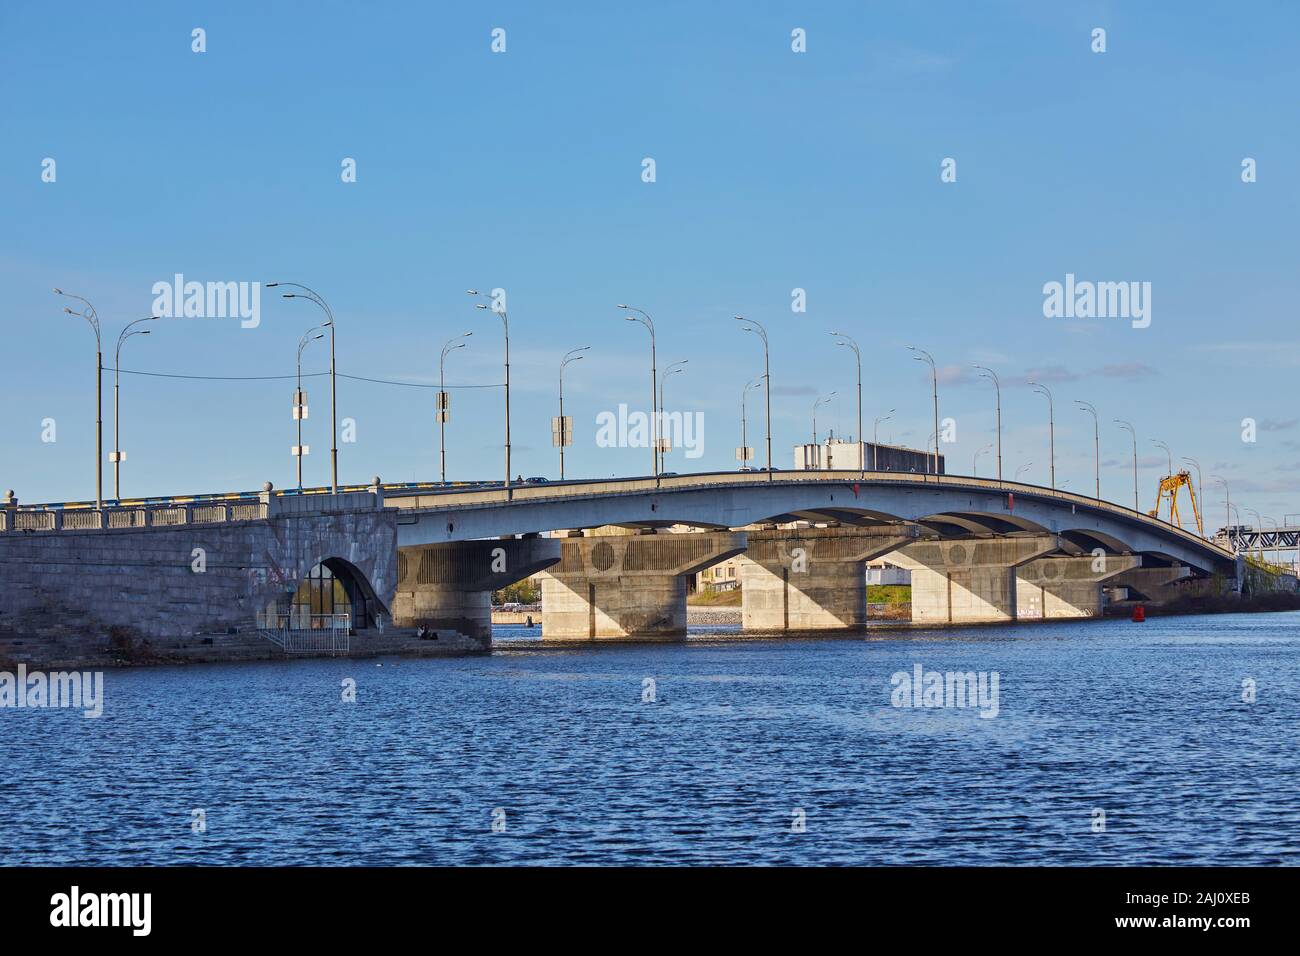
x: 1139, y: 613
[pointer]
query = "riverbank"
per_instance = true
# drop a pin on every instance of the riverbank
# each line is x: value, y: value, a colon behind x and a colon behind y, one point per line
x: 76, y: 651
x: 1213, y: 604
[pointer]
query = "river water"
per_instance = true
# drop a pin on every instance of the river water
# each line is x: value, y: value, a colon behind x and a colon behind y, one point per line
x: 741, y: 752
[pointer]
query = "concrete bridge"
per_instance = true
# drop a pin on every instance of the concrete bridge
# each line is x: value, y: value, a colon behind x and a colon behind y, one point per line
x: 978, y: 549
x: 974, y: 546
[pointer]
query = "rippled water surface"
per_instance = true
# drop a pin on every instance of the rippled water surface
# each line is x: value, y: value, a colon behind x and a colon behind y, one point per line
x: 1144, y: 721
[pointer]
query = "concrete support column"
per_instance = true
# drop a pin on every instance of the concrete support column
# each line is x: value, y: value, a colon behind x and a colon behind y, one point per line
x: 812, y: 579
x: 968, y: 581
x: 450, y: 585
x: 1064, y: 586
x: 625, y: 586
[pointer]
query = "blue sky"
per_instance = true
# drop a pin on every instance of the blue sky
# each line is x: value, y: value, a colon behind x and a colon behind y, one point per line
x: 775, y: 171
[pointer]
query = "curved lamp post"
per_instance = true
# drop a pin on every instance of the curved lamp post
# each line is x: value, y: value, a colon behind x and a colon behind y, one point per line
x: 444, y: 402
x: 761, y: 332
x: 1051, y: 432
x: 1200, y: 488
x: 848, y: 343
x: 875, y: 435
x: 1168, y: 454
x: 1129, y: 428
x: 313, y: 296
x: 644, y: 318
x: 300, y: 400
x: 924, y: 356
x: 664, y: 441
x: 1227, y: 506
x: 572, y: 356
x: 744, y: 431
x: 824, y: 400
x: 505, y: 325
x: 91, y: 316
x: 116, y: 456
x: 997, y: 393
x: 1096, y: 444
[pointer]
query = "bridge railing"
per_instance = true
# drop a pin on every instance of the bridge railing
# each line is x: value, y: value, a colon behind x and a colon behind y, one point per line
x: 29, y: 520
x: 176, y: 512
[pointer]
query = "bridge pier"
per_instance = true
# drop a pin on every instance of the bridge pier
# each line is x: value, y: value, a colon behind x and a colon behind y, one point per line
x: 624, y: 586
x: 812, y: 579
x: 450, y: 585
x: 970, y: 580
x: 1063, y: 586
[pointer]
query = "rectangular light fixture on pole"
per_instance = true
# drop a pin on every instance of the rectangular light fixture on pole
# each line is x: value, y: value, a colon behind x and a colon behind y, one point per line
x: 297, y: 451
x: 299, y: 404
x: 744, y: 454
x: 444, y: 407
x: 561, y: 431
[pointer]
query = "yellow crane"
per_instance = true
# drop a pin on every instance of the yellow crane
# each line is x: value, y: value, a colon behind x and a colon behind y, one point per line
x: 1168, y: 489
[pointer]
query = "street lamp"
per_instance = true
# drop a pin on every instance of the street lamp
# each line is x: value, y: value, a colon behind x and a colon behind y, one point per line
x: 1200, y: 488
x: 315, y: 297
x: 1227, y: 506
x: 644, y: 318
x: 90, y: 315
x: 1096, y: 444
x: 300, y: 399
x: 1259, y: 530
x: 745, y: 453
x: 1129, y: 428
x: 848, y: 342
x: 875, y: 435
x: 443, y: 413
x: 997, y: 391
x: 924, y: 356
x: 975, y: 461
x: 665, y: 443
x: 505, y: 324
x: 1168, y: 454
x: 761, y: 332
x: 816, y: 405
x: 117, y: 456
x: 1051, y: 432
x: 1277, y: 539
x: 564, y: 435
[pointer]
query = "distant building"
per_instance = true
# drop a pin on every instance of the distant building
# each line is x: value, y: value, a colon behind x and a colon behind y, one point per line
x: 836, y: 454
x: 878, y: 572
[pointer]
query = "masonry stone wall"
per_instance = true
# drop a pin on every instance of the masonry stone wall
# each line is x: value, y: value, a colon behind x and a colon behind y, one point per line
x: 132, y: 585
